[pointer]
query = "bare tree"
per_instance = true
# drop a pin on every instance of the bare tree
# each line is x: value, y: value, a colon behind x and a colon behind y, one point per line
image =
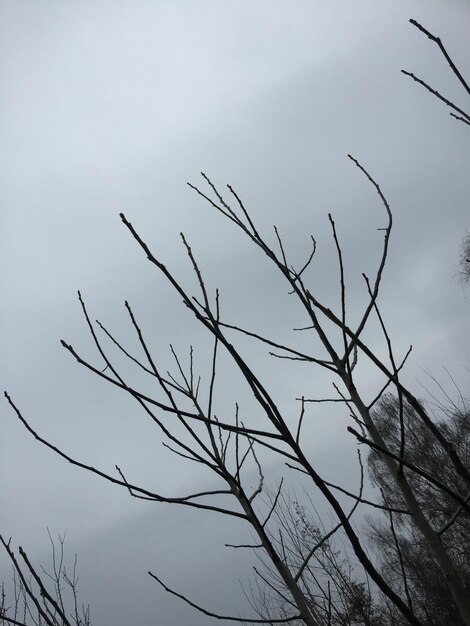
x: 42, y: 598
x: 330, y: 577
x: 405, y: 560
x: 198, y: 429
x: 211, y: 440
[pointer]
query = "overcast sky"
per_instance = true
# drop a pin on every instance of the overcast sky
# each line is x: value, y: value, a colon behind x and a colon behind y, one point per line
x: 111, y: 106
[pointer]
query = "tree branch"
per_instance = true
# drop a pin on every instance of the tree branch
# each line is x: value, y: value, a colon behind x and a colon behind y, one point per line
x: 230, y: 618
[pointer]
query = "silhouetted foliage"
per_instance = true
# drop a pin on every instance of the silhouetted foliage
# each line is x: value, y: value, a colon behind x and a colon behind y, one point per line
x: 464, y: 260
x: 401, y: 549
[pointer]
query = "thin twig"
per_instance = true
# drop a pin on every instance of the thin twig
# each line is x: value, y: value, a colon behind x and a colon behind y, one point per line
x: 438, y: 41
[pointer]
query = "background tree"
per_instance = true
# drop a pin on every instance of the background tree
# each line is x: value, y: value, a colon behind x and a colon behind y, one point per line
x: 406, y: 560
x: 42, y: 597
x: 464, y: 260
x: 330, y: 576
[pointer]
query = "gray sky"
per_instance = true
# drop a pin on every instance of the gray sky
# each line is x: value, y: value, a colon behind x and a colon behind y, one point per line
x: 113, y: 106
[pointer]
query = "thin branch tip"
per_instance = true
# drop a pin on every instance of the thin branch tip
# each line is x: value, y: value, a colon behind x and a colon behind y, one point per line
x: 422, y: 29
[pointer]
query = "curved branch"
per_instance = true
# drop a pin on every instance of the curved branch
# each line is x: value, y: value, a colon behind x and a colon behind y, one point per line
x: 231, y: 618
